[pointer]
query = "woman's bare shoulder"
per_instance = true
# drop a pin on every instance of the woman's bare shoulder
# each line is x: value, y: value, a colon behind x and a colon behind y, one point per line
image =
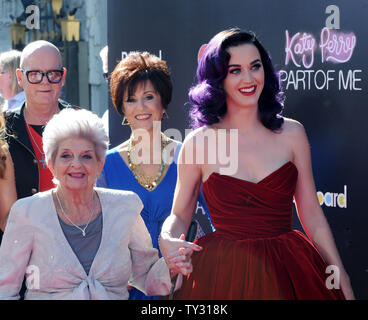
x: 295, y: 136
x: 292, y: 125
x: 293, y: 129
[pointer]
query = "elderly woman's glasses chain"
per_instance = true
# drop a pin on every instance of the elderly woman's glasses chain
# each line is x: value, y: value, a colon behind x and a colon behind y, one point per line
x: 143, y: 180
x: 83, y: 230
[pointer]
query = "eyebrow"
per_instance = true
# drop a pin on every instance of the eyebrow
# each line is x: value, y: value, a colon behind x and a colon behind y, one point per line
x: 144, y: 92
x: 67, y: 149
x: 238, y: 65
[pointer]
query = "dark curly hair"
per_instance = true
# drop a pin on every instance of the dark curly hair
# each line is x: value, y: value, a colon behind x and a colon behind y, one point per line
x: 135, y: 68
x: 208, y: 98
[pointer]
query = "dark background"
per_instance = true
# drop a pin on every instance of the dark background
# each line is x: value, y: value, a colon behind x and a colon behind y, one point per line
x: 335, y: 120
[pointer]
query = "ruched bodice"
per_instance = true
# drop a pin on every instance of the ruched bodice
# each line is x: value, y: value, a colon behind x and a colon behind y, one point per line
x: 252, y: 210
x: 254, y: 253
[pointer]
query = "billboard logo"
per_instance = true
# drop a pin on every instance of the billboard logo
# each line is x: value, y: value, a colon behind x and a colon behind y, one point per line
x: 330, y: 199
x: 300, y: 45
x: 337, y: 47
x: 334, y: 47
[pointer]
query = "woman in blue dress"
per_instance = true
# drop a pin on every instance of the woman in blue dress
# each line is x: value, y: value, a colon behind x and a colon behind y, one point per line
x: 141, y: 90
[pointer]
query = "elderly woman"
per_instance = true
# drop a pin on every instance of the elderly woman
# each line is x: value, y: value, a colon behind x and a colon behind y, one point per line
x: 8, y: 193
x: 141, y: 91
x: 9, y: 87
x: 77, y: 241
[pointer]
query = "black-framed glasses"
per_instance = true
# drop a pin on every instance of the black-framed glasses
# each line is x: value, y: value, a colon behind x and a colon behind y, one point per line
x: 36, y: 76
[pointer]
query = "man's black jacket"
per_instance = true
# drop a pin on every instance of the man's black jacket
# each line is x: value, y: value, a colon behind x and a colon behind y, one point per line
x: 27, y: 177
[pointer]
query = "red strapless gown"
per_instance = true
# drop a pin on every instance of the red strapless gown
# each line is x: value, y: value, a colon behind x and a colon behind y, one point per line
x: 254, y: 253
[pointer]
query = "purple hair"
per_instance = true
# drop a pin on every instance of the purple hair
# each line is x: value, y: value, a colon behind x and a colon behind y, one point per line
x: 208, y: 98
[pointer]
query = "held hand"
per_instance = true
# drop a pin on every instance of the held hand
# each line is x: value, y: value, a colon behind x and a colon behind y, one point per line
x: 178, y: 262
x: 177, y: 254
x: 170, y: 245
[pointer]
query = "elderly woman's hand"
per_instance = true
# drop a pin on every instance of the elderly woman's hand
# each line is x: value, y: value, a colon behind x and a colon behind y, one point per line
x: 178, y: 255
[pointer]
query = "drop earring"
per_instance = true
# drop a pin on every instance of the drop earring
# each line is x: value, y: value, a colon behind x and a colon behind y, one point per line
x: 125, y: 122
x: 165, y: 115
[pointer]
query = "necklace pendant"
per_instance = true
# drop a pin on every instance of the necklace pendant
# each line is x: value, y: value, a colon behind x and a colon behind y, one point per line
x: 83, y: 233
x: 43, y: 161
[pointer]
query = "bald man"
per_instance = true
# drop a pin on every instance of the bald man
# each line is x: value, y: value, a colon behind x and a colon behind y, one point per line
x: 41, y: 76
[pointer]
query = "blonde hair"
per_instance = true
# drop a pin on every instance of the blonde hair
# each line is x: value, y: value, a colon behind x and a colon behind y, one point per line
x: 10, y: 61
x: 2, y: 144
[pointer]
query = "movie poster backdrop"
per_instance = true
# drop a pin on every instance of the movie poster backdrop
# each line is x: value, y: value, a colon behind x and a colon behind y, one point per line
x: 320, y: 49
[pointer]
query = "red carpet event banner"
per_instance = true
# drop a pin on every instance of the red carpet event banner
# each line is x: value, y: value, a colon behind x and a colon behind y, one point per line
x: 320, y: 49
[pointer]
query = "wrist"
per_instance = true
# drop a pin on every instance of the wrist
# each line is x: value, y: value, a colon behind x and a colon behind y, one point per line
x: 166, y: 235
x: 162, y: 241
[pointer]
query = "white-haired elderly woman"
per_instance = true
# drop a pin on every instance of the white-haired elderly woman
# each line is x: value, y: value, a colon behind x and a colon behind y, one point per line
x: 77, y: 241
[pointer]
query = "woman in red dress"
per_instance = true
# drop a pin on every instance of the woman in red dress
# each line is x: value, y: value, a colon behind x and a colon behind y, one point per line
x: 254, y: 253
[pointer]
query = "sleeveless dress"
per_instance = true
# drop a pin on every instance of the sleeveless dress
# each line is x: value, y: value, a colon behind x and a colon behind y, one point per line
x: 254, y: 253
x: 157, y: 203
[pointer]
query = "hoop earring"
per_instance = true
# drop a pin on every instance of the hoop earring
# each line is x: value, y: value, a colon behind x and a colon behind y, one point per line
x: 125, y: 122
x: 165, y: 115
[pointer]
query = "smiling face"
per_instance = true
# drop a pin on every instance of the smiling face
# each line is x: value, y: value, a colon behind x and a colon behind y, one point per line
x: 75, y: 165
x: 143, y: 107
x: 44, y: 93
x: 245, y: 78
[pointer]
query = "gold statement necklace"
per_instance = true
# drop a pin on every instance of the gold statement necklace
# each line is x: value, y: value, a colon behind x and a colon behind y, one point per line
x: 144, y: 180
